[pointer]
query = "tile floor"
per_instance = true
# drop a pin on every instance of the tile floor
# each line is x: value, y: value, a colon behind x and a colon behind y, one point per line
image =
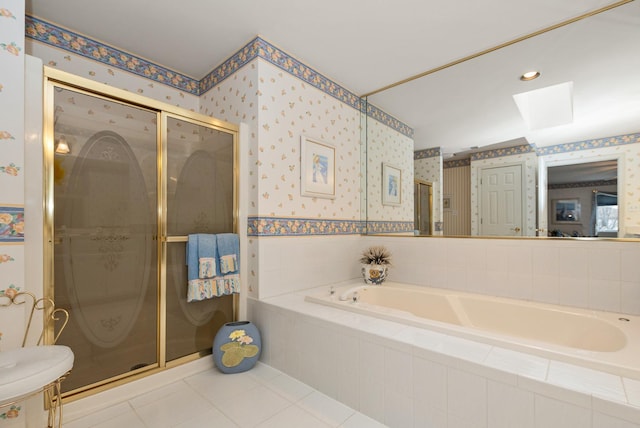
x: 262, y: 397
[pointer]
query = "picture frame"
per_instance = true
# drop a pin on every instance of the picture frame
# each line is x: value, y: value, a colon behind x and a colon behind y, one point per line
x: 446, y: 202
x: 391, y: 185
x: 317, y: 168
x: 566, y: 210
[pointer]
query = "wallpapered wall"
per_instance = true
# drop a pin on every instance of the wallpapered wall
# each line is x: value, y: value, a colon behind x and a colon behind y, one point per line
x: 387, y: 146
x: 279, y: 109
x: 428, y: 167
x: 11, y: 163
x: 281, y: 100
x: 12, y: 255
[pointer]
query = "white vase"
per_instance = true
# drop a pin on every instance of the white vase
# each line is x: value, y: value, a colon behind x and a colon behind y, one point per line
x: 374, y: 274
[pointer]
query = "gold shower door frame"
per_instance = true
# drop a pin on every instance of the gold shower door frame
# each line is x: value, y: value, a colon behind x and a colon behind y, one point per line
x: 58, y: 79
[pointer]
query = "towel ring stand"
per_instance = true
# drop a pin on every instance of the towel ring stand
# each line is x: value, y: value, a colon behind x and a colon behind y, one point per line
x: 52, y: 317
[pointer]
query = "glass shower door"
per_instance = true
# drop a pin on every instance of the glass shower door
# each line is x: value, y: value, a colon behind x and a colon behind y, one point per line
x: 105, y: 228
x: 200, y: 193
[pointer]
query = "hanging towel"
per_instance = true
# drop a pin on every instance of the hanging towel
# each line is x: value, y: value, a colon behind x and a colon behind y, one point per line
x: 202, y: 254
x: 228, y: 284
x: 229, y: 253
x: 207, y: 255
x: 201, y: 289
x: 201, y: 247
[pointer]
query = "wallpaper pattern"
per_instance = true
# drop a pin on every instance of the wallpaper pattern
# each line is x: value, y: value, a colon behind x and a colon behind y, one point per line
x: 387, y: 146
x: 279, y: 109
x: 12, y: 255
x: 430, y: 169
x: 234, y: 93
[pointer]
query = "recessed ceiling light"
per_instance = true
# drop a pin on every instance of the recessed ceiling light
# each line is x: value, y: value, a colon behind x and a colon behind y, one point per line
x: 530, y: 75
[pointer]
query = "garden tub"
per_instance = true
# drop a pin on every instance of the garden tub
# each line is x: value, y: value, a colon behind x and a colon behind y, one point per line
x: 600, y: 340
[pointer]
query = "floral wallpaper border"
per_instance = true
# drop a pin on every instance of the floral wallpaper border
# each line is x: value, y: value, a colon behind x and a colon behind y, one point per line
x: 427, y: 153
x: 456, y: 163
x: 498, y: 153
x: 70, y: 41
x: 280, y: 226
x: 575, y: 146
x: 584, y: 184
x: 390, y: 226
x: 11, y: 224
x: 62, y: 38
x: 597, y: 143
x: 393, y: 123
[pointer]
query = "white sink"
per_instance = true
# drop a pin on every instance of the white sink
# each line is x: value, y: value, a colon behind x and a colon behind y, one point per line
x: 24, y: 371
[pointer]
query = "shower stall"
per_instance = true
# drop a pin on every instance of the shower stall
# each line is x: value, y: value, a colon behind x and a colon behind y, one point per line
x: 126, y: 180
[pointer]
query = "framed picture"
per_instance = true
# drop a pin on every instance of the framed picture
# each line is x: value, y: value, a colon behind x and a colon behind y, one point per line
x: 446, y: 202
x: 391, y: 185
x: 566, y: 210
x: 317, y: 169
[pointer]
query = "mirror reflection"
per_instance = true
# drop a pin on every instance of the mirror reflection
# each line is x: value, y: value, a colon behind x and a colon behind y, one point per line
x: 493, y: 146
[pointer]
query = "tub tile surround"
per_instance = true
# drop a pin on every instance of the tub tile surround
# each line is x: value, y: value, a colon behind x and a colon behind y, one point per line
x: 600, y: 275
x: 288, y: 264
x: 405, y: 376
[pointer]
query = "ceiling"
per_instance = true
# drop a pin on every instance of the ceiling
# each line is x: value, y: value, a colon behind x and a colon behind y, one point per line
x: 361, y: 44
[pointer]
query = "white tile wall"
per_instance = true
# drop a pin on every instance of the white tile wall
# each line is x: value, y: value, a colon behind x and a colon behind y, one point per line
x: 588, y: 274
x: 600, y: 275
x: 288, y: 264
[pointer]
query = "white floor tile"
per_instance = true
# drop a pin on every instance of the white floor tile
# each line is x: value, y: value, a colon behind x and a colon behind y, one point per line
x: 326, y: 408
x: 358, y: 420
x: 172, y: 405
x: 293, y: 417
x: 290, y: 388
x: 129, y: 420
x: 211, y: 418
x: 107, y: 415
x: 263, y: 372
x: 262, y: 397
x: 216, y: 386
x: 253, y: 407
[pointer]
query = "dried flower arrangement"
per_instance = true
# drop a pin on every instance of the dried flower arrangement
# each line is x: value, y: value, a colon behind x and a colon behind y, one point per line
x: 376, y: 255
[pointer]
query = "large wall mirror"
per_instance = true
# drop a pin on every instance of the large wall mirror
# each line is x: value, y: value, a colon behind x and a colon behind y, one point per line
x: 558, y: 155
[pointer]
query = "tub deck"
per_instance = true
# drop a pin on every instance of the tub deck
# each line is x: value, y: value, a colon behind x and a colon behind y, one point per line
x: 594, y: 339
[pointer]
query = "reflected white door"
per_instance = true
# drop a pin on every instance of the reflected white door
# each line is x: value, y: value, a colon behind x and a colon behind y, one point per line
x: 501, y: 201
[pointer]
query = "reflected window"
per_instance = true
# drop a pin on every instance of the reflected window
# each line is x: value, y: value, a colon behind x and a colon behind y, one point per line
x: 606, y: 214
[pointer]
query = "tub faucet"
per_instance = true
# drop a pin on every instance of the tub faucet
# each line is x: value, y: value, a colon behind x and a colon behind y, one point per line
x: 351, y: 293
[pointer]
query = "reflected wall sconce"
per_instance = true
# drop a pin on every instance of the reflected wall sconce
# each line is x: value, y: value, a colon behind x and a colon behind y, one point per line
x: 62, y: 146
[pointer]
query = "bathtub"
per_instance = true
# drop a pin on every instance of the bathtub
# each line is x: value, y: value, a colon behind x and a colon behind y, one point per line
x: 599, y: 340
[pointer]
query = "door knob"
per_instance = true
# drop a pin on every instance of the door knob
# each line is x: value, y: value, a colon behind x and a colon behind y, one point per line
x: 516, y: 229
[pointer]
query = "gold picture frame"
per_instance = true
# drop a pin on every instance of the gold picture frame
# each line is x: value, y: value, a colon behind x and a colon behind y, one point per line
x: 317, y: 169
x: 391, y: 185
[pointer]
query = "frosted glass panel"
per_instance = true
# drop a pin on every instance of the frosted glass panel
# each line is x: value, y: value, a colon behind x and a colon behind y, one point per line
x: 199, y: 179
x: 200, y: 199
x: 105, y: 252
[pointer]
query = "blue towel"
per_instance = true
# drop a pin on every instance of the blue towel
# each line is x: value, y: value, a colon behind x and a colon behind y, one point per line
x: 229, y: 253
x: 199, y: 245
